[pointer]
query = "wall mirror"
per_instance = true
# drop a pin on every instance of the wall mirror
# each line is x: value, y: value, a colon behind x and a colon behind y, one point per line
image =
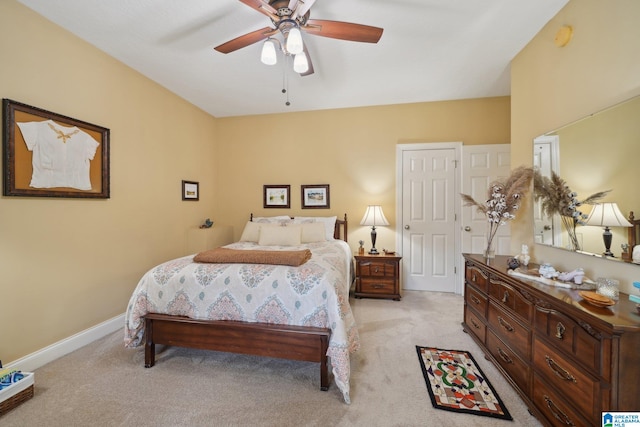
x: 597, y: 153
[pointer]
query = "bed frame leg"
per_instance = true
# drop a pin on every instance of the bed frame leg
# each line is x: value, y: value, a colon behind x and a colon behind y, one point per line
x: 149, y: 345
x: 324, y: 369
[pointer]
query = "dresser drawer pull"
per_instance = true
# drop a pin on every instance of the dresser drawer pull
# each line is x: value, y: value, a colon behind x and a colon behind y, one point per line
x: 473, y: 277
x: 377, y: 286
x: 557, y: 413
x: 504, y: 356
x: 559, y: 371
x: 475, y: 325
x: 505, y: 297
x: 376, y: 270
x: 504, y: 324
x: 475, y: 300
x: 560, y: 328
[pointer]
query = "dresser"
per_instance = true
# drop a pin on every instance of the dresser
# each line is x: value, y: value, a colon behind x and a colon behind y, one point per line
x: 568, y: 360
x: 378, y: 276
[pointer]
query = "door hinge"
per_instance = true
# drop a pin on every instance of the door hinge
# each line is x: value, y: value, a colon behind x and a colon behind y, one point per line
x: 455, y: 270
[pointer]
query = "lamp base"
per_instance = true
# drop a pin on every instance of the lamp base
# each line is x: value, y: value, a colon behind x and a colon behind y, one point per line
x: 374, y: 251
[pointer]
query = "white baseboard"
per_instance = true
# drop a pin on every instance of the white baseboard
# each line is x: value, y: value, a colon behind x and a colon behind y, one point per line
x: 33, y: 361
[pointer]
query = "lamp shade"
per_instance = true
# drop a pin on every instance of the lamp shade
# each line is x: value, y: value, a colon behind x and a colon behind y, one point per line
x: 607, y: 215
x: 294, y: 41
x: 300, y: 63
x: 374, y: 216
x: 268, y: 55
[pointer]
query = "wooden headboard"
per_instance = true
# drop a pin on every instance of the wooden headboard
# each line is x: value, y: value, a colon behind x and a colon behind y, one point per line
x: 340, y: 230
x: 634, y: 237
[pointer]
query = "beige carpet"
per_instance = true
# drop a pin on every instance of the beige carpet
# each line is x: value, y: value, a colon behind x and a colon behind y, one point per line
x: 104, y: 384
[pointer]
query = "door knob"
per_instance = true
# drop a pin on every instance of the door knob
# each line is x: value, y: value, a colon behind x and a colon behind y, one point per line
x: 467, y: 228
x: 547, y: 227
x: 406, y: 227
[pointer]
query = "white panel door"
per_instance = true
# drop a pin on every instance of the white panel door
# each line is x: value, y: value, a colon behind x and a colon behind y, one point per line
x: 428, y: 219
x: 481, y: 165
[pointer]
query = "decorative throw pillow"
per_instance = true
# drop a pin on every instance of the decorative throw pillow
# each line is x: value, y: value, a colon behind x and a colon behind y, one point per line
x: 251, y: 232
x: 276, y: 235
x: 312, y: 232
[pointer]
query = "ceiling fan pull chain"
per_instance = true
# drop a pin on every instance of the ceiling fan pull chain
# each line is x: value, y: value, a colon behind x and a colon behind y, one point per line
x: 285, y: 82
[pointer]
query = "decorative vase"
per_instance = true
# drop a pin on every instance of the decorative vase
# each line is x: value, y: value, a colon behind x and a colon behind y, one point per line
x: 490, y: 252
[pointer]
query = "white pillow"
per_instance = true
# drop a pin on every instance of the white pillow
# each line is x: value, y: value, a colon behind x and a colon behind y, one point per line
x: 328, y: 221
x: 251, y: 232
x: 276, y: 235
x: 312, y: 232
x: 282, y: 219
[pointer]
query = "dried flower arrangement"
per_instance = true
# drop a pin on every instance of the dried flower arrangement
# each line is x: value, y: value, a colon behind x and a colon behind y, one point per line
x: 557, y: 198
x: 504, y: 199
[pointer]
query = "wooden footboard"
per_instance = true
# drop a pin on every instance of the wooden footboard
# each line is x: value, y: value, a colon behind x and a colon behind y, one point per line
x: 260, y: 339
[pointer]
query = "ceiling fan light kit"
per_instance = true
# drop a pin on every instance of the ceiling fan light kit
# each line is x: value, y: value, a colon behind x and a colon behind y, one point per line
x: 290, y: 18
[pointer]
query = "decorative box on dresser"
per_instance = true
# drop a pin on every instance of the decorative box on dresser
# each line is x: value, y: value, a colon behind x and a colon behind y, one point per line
x: 378, y: 276
x: 570, y: 361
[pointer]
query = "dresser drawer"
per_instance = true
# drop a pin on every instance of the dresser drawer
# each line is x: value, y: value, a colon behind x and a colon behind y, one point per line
x: 474, y: 324
x: 510, y: 330
x: 579, y: 339
x: 554, y: 407
x: 561, y: 374
x: 477, y: 277
x: 506, y: 295
x: 476, y: 299
x: 377, y: 286
x: 517, y: 369
x: 378, y: 269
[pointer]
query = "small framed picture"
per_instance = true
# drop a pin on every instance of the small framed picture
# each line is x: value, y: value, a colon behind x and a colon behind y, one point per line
x: 276, y: 196
x: 315, y: 196
x: 190, y: 190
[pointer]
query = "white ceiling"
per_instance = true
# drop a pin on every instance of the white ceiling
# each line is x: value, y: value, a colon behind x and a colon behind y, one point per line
x: 431, y: 50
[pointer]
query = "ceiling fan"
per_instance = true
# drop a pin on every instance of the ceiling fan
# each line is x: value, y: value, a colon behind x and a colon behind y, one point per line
x: 289, y: 17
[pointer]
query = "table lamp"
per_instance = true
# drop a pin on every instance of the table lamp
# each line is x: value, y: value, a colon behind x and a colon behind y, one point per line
x: 607, y: 215
x: 374, y: 216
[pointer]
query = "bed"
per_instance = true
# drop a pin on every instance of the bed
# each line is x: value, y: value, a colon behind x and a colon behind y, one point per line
x: 297, y: 312
x: 632, y: 254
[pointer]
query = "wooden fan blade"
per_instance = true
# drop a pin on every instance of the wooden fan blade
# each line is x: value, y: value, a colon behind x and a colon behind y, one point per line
x: 343, y: 30
x: 246, y: 40
x: 262, y: 7
x: 310, y: 70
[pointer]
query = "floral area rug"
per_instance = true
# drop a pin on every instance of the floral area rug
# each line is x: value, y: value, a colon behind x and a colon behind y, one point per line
x: 456, y: 383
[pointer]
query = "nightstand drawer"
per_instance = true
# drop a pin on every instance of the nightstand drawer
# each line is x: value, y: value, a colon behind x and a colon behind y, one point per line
x: 379, y: 286
x: 378, y: 268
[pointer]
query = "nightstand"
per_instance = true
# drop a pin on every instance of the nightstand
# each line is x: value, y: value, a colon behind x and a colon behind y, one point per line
x: 378, y: 276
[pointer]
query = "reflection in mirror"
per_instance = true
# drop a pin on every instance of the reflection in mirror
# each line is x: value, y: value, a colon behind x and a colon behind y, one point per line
x: 598, y: 153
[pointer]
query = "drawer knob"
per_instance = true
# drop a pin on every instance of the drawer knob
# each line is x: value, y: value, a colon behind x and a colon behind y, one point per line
x: 475, y: 300
x: 377, y: 269
x: 475, y: 325
x: 557, y: 413
x: 560, y: 329
x: 505, y: 324
x: 562, y: 373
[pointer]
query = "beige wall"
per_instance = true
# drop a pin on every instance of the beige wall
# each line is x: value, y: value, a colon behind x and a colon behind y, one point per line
x: 553, y: 86
x: 69, y: 264
x: 352, y: 150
